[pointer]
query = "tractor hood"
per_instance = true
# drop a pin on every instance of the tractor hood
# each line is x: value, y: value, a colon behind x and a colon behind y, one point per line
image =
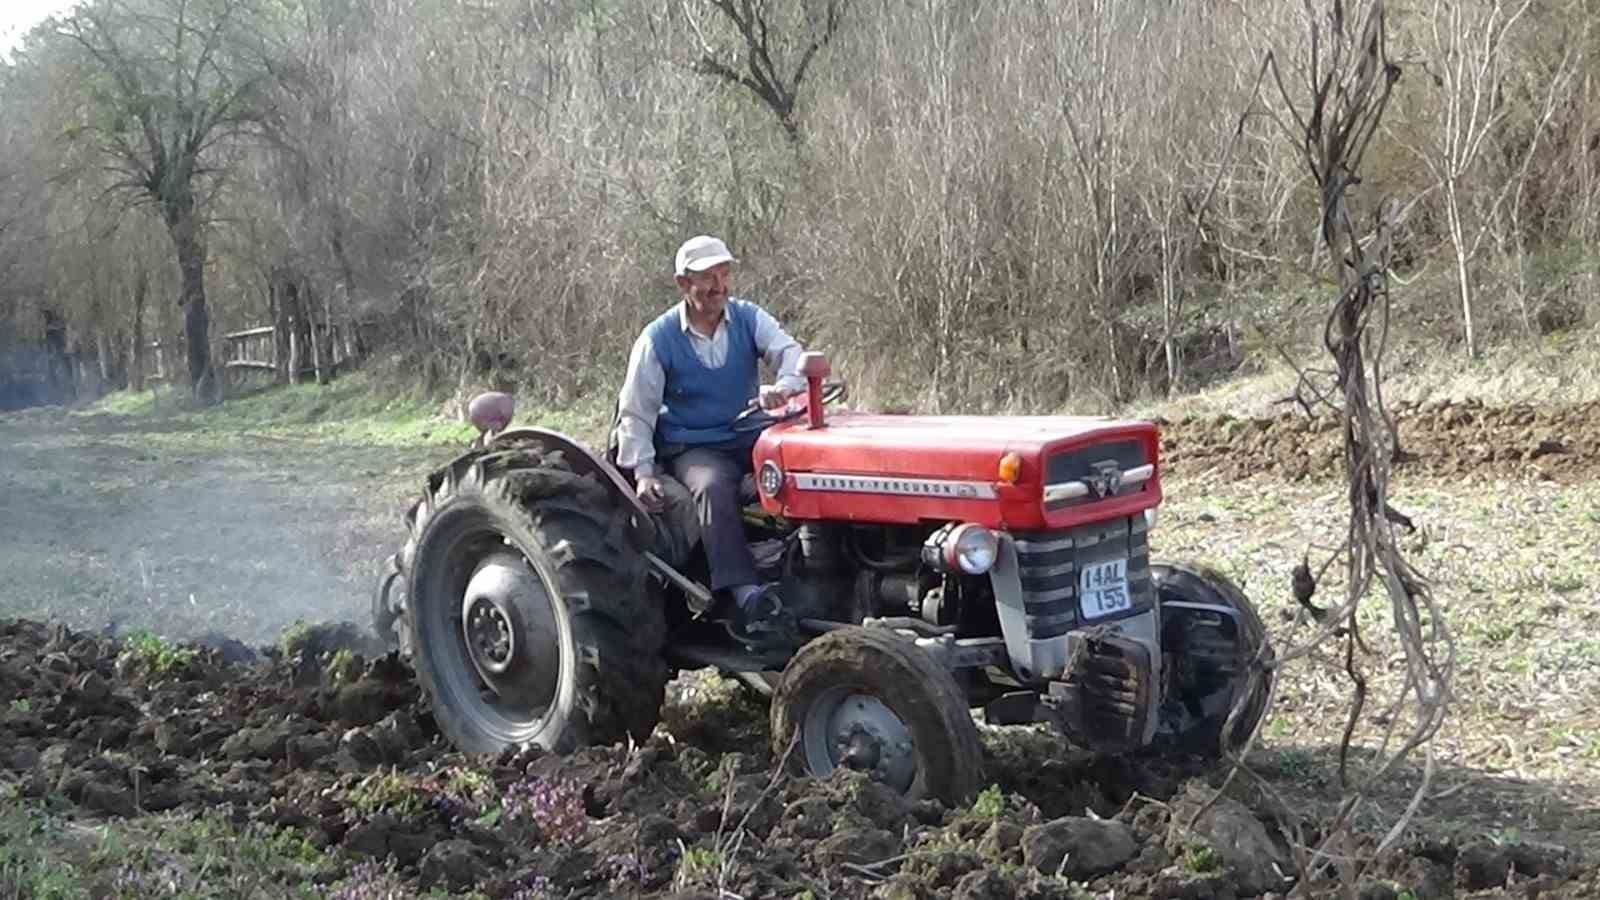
x: 901, y: 469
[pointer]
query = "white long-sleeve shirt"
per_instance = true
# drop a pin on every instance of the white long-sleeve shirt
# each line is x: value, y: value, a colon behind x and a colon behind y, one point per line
x: 646, y: 381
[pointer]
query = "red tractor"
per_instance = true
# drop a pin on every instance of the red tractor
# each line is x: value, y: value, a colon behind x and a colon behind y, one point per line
x: 928, y: 566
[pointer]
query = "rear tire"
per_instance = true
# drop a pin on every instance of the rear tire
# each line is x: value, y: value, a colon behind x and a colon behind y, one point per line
x: 869, y: 699
x: 1210, y: 637
x: 529, y: 608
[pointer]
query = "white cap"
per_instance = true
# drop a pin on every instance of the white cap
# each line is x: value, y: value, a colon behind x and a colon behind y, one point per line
x: 701, y: 253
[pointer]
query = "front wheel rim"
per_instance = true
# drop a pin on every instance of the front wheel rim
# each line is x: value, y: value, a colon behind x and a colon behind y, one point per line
x: 846, y: 728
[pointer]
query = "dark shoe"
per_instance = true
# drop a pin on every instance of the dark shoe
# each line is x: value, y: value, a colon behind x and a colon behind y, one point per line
x: 760, y: 618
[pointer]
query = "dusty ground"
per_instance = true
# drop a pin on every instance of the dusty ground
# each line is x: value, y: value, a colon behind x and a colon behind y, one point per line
x: 128, y: 524
x: 312, y: 762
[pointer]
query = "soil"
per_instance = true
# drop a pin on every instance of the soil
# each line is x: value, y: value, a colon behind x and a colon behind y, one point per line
x: 342, y: 749
x: 1443, y: 440
x: 325, y: 736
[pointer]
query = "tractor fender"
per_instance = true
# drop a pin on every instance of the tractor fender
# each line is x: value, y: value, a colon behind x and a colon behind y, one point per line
x: 584, y: 462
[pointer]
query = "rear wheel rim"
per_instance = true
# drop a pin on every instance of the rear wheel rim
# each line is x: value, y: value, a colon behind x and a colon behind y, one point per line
x: 496, y: 639
x: 849, y: 729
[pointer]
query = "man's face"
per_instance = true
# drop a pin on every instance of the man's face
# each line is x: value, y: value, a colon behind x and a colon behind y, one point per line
x: 706, y: 292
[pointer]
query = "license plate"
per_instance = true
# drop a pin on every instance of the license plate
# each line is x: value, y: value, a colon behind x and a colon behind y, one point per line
x: 1103, y: 588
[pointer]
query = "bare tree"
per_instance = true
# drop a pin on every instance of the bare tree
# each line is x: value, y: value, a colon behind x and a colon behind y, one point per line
x: 1173, y: 100
x: 1544, y: 85
x: 768, y: 72
x: 168, y: 87
x: 1003, y: 195
x: 1332, y: 112
x: 1467, y: 64
x: 1095, y: 85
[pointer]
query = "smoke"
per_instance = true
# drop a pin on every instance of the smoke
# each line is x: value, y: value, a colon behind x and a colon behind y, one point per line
x: 115, y: 527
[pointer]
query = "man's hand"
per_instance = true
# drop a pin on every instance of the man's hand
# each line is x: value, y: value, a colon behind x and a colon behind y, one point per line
x: 648, y: 488
x: 772, y: 396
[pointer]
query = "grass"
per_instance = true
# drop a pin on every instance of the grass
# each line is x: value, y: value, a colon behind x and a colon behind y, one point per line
x: 352, y: 409
x: 989, y: 803
x: 293, y: 638
x: 359, y: 408
x: 698, y: 866
x: 343, y: 667
x: 1512, y: 572
x: 46, y: 856
x: 156, y: 655
x: 392, y: 792
x: 1201, y: 859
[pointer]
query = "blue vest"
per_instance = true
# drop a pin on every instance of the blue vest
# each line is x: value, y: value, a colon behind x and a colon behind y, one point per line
x: 700, y: 403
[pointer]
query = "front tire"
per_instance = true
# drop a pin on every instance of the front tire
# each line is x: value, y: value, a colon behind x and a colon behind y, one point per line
x: 867, y: 699
x: 1214, y: 646
x: 529, y: 610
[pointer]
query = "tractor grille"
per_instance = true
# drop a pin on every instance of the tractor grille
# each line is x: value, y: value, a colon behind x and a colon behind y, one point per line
x: 1049, y: 563
x: 1079, y: 464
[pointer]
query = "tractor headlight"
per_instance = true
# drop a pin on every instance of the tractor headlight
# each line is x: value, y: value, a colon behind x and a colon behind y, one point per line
x: 971, y: 548
x: 1150, y: 519
x: 771, y: 478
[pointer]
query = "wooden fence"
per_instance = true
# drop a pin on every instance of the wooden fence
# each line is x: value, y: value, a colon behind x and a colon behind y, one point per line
x: 259, y: 349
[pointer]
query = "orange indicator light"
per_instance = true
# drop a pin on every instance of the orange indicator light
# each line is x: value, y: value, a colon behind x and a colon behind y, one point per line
x: 1010, y: 468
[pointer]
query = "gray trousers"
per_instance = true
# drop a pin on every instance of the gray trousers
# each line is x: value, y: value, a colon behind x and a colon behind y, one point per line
x: 712, y: 477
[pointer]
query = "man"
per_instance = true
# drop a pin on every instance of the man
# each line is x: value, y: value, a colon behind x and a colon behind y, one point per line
x: 692, y: 372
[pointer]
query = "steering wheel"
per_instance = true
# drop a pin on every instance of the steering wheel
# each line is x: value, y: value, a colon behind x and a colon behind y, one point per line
x: 754, y: 418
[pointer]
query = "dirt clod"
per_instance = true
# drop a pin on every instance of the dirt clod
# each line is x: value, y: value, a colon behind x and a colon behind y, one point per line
x: 455, y: 864
x: 941, y: 867
x: 1078, y: 847
x: 984, y: 884
x: 1486, y: 864
x: 861, y: 846
x: 1236, y: 835
x: 1177, y: 883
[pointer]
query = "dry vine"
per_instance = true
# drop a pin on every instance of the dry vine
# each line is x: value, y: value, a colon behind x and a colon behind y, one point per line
x: 1347, y: 79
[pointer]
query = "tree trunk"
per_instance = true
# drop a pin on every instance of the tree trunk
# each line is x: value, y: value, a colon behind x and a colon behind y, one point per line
x: 108, y: 364
x: 191, y: 252
x: 314, y: 335
x: 330, y: 356
x: 89, y: 365
x: 282, y: 325
x: 1458, y: 240
x: 141, y: 287
x: 1169, y: 308
x: 292, y: 313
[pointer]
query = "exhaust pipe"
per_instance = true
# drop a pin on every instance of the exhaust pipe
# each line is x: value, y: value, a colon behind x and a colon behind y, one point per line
x: 814, y: 366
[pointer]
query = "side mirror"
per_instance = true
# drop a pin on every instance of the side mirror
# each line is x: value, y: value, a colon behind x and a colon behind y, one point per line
x: 491, y: 412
